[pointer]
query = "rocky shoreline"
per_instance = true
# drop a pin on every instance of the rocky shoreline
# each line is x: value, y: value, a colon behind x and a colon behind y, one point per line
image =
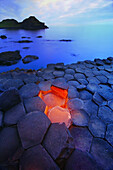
x: 27, y: 137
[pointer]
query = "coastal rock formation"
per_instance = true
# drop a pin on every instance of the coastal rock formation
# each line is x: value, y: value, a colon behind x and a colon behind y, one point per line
x: 30, y: 23
x: 3, y: 37
x: 9, y: 57
x: 29, y: 58
x: 28, y: 140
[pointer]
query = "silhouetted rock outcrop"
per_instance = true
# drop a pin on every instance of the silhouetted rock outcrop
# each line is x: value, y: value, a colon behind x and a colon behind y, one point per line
x: 9, y: 57
x: 30, y: 23
x: 29, y: 58
x: 3, y: 37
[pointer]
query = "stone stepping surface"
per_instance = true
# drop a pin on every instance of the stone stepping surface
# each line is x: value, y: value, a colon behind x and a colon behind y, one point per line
x: 30, y: 141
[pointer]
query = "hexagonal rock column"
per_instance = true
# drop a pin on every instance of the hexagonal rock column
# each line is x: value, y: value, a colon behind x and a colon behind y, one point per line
x: 34, y: 104
x: 36, y: 158
x: 32, y: 128
x: 81, y: 161
x: 102, y: 153
x: 58, y: 142
x: 9, y: 143
x: 9, y: 98
x: 82, y: 138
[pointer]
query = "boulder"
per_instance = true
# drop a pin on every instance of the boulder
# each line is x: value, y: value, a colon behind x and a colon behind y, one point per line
x: 64, y: 40
x: 9, y: 98
x: 3, y: 36
x: 32, y: 128
x: 37, y: 158
x: 9, y: 57
x: 39, y: 36
x: 29, y: 58
x: 24, y: 41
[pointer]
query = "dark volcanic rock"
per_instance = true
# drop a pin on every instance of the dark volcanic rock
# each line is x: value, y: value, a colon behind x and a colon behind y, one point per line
x: 13, y: 115
x: 3, y: 37
x: 29, y: 90
x: 29, y: 58
x: 109, y: 134
x: 30, y: 23
x: 82, y: 138
x: 65, y: 40
x: 75, y: 104
x: 97, y: 98
x: 32, y: 128
x: 90, y: 107
x: 61, y: 83
x: 9, y: 57
x: 72, y: 92
x: 24, y: 41
x: 39, y: 36
x: 37, y: 158
x: 34, y: 104
x: 81, y: 161
x: 97, y: 127
x: 58, y: 142
x: 106, y: 114
x: 103, y: 153
x: 79, y: 118
x: 9, y: 143
x: 26, y: 47
x: 9, y: 98
x: 85, y: 95
x: 1, y: 118
x: 17, y: 83
x: 44, y: 85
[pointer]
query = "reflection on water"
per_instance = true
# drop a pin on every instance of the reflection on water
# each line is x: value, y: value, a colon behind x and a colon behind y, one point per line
x: 87, y: 42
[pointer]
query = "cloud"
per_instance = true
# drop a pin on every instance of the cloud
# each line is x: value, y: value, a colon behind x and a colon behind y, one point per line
x: 57, y: 11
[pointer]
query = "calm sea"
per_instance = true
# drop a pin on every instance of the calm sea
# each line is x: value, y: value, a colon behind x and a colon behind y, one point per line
x: 88, y: 42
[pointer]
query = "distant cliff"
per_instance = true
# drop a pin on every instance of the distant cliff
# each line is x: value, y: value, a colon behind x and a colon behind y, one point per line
x: 30, y: 23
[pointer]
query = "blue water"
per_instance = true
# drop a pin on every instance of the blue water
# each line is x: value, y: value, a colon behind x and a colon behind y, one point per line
x: 88, y: 42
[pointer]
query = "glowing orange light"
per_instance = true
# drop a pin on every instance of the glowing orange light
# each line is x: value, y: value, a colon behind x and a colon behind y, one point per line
x: 56, y: 105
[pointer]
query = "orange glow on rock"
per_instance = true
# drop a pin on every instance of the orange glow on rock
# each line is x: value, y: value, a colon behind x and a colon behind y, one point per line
x: 56, y: 105
x: 58, y: 115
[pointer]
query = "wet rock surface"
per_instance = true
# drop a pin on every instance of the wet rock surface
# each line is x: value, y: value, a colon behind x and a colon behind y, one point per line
x: 29, y: 58
x: 23, y: 123
x: 9, y: 57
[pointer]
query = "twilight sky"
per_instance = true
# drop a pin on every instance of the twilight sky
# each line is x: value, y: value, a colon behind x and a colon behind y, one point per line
x: 59, y: 12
